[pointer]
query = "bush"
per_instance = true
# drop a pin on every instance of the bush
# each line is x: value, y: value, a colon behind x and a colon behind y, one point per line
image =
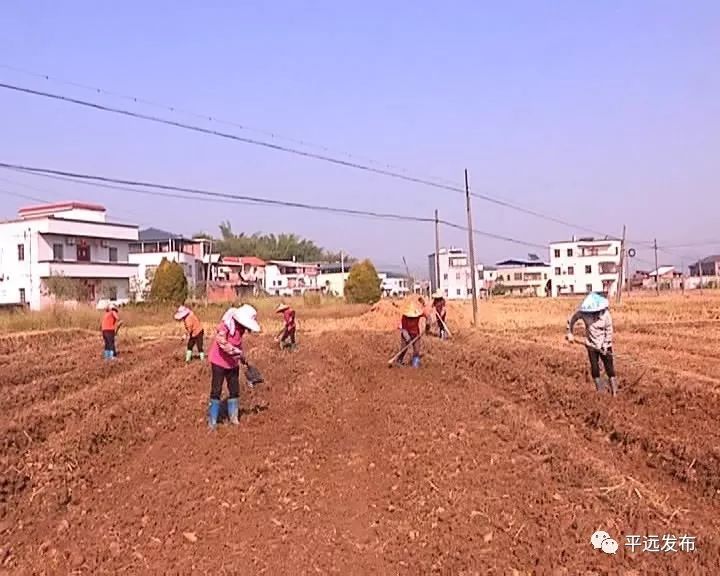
x: 64, y: 288
x: 363, y: 284
x: 169, y: 284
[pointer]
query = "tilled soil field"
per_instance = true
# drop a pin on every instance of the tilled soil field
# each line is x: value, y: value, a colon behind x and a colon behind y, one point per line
x: 496, y: 457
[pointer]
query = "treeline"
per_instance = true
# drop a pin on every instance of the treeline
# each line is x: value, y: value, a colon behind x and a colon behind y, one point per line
x: 269, y: 246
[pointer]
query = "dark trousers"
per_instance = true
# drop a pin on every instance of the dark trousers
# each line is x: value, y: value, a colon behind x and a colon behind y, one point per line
x: 109, y: 340
x: 289, y: 334
x: 405, y: 339
x: 196, y: 341
x: 607, y: 360
x: 229, y: 375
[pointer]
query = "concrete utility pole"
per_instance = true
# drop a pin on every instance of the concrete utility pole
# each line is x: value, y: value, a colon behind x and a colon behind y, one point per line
x: 657, y: 270
x: 621, y: 278
x: 342, y: 272
x: 471, y: 248
x: 437, y: 251
x: 209, y: 273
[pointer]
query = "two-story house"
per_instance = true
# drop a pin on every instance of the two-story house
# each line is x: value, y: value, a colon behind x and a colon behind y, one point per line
x: 288, y: 278
x: 524, y: 277
x: 65, y: 251
x: 585, y: 265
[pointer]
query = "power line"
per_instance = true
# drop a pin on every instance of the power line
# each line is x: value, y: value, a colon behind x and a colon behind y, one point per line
x: 206, y: 117
x: 295, y: 151
x: 186, y: 193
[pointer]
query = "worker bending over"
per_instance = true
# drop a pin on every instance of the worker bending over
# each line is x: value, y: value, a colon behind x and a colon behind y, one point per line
x: 226, y: 355
x: 594, y: 312
x: 286, y: 336
x: 194, y: 330
x: 410, y: 335
x: 440, y: 313
x: 109, y: 327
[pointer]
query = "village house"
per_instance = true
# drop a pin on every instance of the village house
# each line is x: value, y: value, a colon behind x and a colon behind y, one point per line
x: 288, y: 278
x: 585, y: 265
x: 523, y: 277
x: 69, y: 248
x: 153, y: 245
x: 236, y: 276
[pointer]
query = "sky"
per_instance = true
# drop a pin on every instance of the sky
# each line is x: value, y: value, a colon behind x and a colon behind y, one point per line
x: 596, y: 113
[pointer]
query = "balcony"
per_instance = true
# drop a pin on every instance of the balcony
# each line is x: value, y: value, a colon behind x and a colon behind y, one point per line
x: 608, y: 268
x: 76, y: 269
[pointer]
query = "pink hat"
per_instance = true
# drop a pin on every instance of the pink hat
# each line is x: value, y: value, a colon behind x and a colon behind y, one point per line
x: 182, y: 312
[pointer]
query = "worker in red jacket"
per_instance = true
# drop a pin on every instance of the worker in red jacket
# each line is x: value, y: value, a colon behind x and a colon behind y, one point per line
x: 410, y: 334
x: 286, y: 336
x: 109, y: 326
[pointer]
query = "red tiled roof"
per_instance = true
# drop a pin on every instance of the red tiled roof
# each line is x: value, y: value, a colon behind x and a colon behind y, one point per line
x: 62, y: 206
x: 242, y: 260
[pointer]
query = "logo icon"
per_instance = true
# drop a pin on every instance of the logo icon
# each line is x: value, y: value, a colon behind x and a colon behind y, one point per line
x: 601, y: 540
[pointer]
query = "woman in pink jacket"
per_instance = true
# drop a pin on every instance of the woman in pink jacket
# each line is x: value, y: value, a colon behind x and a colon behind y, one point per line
x: 226, y: 355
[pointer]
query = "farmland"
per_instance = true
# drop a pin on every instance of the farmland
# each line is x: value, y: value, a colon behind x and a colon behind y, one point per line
x: 496, y: 457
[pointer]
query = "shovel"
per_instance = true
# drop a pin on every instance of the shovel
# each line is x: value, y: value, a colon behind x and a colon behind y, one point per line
x: 394, y: 358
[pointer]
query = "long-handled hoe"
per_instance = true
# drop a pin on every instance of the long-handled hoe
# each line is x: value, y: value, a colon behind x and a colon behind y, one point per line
x: 392, y: 360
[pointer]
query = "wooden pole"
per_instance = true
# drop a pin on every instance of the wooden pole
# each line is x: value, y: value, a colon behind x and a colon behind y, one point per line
x: 471, y: 248
x: 437, y: 251
x: 657, y: 270
x: 621, y: 277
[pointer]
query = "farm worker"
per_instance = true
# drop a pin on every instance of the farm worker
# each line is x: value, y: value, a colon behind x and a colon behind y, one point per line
x: 594, y: 312
x: 195, y: 332
x: 109, y: 326
x: 286, y: 336
x: 440, y: 312
x: 226, y: 355
x: 410, y: 334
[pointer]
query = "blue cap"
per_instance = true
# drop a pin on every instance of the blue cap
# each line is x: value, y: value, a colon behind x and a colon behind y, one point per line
x: 594, y: 303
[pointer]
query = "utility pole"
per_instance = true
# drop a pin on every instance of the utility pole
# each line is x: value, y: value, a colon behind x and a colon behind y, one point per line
x: 657, y: 270
x: 209, y: 273
x: 342, y: 272
x: 621, y: 278
x: 471, y: 247
x: 437, y: 251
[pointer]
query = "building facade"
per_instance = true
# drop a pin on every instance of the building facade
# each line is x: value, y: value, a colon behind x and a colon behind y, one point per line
x: 520, y: 277
x: 585, y: 265
x: 709, y: 266
x: 153, y: 245
x: 287, y: 278
x: 456, y: 276
x: 64, y: 251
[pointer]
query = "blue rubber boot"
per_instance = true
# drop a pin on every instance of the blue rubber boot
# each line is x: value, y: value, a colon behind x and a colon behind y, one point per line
x: 233, y: 409
x: 416, y: 361
x: 105, y: 355
x: 213, y: 413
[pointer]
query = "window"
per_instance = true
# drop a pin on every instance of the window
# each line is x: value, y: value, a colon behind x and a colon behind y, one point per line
x: 445, y: 276
x: 588, y: 269
x: 459, y: 293
x: 557, y: 253
x: 588, y: 288
x: 457, y: 276
x: 22, y: 296
x: 572, y: 288
x: 570, y: 252
x: 571, y: 270
x: 58, y: 253
x: 83, y: 253
x: 518, y: 276
x: 617, y: 250
x: 21, y: 252
x: 558, y: 271
x: 111, y: 292
x: 112, y: 254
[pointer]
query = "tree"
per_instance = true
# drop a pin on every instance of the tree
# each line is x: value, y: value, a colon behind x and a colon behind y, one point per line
x: 363, y: 284
x: 169, y: 283
x: 65, y: 288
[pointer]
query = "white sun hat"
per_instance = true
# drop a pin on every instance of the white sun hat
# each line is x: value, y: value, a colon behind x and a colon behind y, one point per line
x: 182, y: 311
x: 246, y: 316
x: 594, y: 303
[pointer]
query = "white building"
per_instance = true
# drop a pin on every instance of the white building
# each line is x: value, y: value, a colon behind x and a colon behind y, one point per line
x: 524, y: 277
x: 66, y: 248
x: 152, y: 245
x: 585, y: 265
x: 455, y: 275
x: 393, y: 285
x: 287, y: 278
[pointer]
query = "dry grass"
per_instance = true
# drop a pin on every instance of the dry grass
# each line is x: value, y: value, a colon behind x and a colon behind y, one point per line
x: 137, y: 315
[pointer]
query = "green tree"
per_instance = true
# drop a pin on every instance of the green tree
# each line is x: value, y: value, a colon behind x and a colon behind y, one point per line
x: 363, y: 284
x: 169, y: 283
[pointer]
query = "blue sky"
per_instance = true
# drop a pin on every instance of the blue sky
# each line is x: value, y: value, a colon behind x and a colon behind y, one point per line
x: 599, y: 113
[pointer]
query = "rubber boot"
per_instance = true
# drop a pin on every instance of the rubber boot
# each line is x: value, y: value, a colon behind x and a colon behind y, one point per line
x: 613, y: 386
x: 213, y: 413
x: 111, y: 355
x: 233, y: 409
x: 188, y: 355
x: 599, y: 385
x: 416, y: 361
x: 202, y: 356
x: 106, y: 354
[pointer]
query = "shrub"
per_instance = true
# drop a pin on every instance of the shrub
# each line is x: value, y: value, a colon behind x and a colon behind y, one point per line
x: 64, y: 288
x: 169, y: 284
x: 363, y: 284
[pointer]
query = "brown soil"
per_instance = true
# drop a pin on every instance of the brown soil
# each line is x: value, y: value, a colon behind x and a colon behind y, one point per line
x: 496, y: 457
